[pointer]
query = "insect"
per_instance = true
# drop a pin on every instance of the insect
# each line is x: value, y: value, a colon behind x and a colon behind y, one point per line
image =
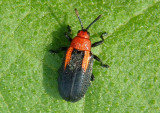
x: 75, y: 74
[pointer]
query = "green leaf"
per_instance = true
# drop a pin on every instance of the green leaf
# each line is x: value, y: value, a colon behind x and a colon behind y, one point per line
x: 28, y: 72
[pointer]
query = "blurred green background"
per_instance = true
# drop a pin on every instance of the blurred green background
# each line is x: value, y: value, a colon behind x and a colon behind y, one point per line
x: 28, y: 72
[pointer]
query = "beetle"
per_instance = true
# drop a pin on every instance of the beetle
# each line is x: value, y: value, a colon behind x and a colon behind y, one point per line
x: 75, y: 74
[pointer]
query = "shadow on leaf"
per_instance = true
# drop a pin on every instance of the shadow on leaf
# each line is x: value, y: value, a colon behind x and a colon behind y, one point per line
x: 52, y: 62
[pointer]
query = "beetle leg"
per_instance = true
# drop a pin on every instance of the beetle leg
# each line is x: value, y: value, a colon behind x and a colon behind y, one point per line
x: 92, y: 77
x: 99, y: 60
x: 57, y: 51
x: 99, y: 42
x: 68, y: 33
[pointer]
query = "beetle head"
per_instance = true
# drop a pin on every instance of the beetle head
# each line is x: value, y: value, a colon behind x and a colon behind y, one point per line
x: 83, y: 34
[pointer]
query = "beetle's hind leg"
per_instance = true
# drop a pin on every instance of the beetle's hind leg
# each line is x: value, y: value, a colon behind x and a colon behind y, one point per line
x: 67, y: 34
x: 92, y: 77
x: 99, y: 42
x: 99, y: 60
x: 58, y: 50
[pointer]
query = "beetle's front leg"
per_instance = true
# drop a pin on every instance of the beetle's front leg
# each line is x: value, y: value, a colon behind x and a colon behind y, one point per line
x: 99, y: 42
x: 67, y: 34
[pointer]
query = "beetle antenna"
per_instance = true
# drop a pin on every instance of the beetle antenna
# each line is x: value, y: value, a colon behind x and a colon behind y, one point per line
x: 76, y: 11
x: 94, y: 21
